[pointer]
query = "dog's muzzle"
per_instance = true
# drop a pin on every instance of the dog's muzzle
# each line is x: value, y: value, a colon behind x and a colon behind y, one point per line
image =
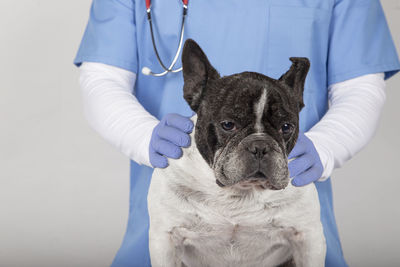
x: 258, y: 161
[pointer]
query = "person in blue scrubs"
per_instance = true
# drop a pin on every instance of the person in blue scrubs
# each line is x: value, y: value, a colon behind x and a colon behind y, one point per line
x: 342, y: 38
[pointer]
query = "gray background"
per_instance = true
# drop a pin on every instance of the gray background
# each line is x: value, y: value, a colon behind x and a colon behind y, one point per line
x: 64, y: 191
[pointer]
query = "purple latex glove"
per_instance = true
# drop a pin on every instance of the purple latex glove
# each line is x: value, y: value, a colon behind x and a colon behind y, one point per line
x: 306, y: 166
x: 168, y: 137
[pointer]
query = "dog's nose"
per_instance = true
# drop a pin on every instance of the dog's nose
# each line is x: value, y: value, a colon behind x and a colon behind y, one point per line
x: 258, y: 148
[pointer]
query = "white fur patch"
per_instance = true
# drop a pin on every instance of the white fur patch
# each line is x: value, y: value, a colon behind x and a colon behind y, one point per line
x: 259, y: 110
x: 194, y: 221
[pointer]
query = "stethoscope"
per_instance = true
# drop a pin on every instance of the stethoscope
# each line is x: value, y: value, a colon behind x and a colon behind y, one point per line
x: 146, y: 70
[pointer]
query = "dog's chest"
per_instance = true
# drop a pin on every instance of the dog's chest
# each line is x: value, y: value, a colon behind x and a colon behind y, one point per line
x: 207, y: 227
x: 249, y: 238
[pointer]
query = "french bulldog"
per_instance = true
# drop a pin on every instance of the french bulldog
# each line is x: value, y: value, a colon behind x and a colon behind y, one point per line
x: 228, y: 200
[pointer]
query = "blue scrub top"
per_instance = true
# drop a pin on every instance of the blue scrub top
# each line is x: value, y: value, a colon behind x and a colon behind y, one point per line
x: 342, y: 38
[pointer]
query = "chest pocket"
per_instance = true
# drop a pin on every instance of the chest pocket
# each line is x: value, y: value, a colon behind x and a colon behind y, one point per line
x: 298, y: 32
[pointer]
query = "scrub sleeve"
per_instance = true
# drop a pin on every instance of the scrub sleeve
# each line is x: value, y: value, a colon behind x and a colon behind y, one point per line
x: 358, y: 42
x: 110, y: 35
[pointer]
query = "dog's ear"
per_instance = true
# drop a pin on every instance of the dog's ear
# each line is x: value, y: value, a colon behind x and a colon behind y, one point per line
x: 295, y: 77
x: 197, y: 72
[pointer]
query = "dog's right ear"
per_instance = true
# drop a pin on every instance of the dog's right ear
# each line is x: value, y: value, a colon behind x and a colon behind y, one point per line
x: 197, y: 72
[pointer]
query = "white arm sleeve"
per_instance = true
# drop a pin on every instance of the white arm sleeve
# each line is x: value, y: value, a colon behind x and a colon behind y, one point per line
x: 114, y: 112
x: 350, y: 122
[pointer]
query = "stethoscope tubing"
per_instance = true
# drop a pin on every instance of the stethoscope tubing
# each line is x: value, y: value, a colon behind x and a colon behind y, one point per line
x: 147, y: 71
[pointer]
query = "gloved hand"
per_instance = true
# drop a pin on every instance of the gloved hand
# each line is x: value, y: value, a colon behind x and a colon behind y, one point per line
x: 306, y: 166
x: 168, y: 137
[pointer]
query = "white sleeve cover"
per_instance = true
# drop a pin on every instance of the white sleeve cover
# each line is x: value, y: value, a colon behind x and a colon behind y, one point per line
x: 114, y: 112
x: 354, y: 110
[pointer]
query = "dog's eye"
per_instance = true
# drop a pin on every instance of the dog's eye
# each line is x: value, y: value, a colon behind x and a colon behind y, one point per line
x: 228, y: 125
x: 286, y: 128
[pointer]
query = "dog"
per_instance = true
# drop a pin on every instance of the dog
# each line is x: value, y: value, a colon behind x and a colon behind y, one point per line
x: 228, y: 200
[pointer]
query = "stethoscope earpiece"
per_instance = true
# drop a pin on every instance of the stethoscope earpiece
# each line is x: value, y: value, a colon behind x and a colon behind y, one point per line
x: 146, y: 70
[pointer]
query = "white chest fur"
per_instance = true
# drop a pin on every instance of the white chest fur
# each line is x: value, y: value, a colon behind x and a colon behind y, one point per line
x: 194, y: 222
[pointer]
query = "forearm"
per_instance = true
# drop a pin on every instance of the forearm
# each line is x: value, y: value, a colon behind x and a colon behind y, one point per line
x: 114, y: 112
x: 350, y: 122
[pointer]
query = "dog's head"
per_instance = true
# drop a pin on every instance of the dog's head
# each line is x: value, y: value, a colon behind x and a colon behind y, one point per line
x: 247, y: 123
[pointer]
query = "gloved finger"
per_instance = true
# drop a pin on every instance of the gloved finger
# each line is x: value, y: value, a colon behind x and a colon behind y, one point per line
x: 158, y: 161
x: 307, y: 177
x: 174, y: 136
x: 180, y: 122
x: 300, y: 164
x: 299, y: 149
x: 167, y: 149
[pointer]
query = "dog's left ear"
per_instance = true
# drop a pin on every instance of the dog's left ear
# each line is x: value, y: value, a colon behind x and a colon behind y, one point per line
x: 295, y: 77
x: 197, y: 72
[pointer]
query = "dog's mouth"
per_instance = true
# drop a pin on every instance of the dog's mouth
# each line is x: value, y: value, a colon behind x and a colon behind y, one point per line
x: 257, y: 180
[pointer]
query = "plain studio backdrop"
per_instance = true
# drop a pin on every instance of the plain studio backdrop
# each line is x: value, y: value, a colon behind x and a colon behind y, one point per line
x: 64, y: 190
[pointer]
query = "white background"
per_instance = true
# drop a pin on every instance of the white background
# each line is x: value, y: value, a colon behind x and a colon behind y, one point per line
x: 64, y: 191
